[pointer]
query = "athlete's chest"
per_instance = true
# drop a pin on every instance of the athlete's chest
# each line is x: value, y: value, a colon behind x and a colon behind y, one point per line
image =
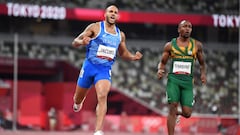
x: 108, y: 39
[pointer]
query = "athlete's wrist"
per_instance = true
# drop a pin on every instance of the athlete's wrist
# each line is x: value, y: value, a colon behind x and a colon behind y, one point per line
x: 161, y: 70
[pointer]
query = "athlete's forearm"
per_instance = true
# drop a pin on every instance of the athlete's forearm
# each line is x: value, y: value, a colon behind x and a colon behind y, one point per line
x: 202, y: 69
x: 161, y: 66
x: 76, y: 43
x: 82, y: 40
x: 127, y: 56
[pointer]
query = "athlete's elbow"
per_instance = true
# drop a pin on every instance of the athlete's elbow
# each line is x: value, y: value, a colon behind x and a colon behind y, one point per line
x: 121, y: 54
x: 126, y: 57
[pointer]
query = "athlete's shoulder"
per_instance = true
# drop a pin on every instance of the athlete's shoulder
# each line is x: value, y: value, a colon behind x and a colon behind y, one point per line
x: 117, y: 27
x: 195, y: 40
x: 122, y: 36
x: 95, y: 24
x: 94, y: 27
x: 122, y: 33
x: 168, y: 46
x: 198, y: 44
x: 171, y: 42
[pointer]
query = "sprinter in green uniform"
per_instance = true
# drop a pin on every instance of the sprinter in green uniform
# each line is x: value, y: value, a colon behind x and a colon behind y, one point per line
x: 183, y: 52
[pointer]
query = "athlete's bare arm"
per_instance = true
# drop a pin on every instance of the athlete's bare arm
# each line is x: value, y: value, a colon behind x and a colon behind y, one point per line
x: 201, y: 61
x: 124, y: 53
x: 84, y: 38
x: 164, y: 60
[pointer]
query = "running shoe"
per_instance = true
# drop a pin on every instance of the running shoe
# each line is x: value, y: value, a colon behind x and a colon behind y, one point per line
x: 77, y: 107
x: 178, y: 119
x: 98, y: 133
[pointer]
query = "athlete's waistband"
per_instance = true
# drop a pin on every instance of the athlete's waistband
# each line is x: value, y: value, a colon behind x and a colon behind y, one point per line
x: 87, y: 61
x: 181, y: 77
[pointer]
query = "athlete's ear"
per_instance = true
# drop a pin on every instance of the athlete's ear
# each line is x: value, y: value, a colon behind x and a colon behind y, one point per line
x: 118, y: 16
x: 104, y: 15
x: 178, y: 29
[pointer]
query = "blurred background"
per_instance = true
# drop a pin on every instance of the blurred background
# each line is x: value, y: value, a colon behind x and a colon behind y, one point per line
x: 39, y: 68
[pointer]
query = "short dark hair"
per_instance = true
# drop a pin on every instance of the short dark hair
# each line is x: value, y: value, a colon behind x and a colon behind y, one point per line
x: 110, y: 4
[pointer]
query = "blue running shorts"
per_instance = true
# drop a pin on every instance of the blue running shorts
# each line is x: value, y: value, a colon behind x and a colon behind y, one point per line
x: 91, y: 73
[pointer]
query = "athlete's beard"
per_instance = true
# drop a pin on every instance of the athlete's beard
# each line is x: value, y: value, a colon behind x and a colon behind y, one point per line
x: 109, y: 22
x: 185, y: 36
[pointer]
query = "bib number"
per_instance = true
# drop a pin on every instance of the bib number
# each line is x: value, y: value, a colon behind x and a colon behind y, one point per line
x: 180, y: 67
x: 106, y: 52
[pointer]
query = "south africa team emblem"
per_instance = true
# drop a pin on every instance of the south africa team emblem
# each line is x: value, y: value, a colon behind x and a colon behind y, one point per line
x: 189, y: 52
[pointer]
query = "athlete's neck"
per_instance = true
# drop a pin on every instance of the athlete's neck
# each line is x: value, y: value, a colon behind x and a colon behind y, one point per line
x: 181, y: 41
x: 109, y: 25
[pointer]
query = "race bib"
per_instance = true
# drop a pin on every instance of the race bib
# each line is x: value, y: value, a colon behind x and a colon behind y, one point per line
x: 106, y: 52
x: 180, y: 67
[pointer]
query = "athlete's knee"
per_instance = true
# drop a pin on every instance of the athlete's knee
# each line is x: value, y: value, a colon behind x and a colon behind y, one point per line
x: 186, y: 111
x: 173, y: 108
x: 101, y: 96
x: 102, y: 90
x: 186, y: 114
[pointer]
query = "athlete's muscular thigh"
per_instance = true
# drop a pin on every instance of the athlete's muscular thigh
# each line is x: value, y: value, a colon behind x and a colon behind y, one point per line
x: 102, y: 88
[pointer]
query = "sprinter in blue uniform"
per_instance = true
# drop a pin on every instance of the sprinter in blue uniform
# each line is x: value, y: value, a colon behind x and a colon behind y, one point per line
x: 103, y: 41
